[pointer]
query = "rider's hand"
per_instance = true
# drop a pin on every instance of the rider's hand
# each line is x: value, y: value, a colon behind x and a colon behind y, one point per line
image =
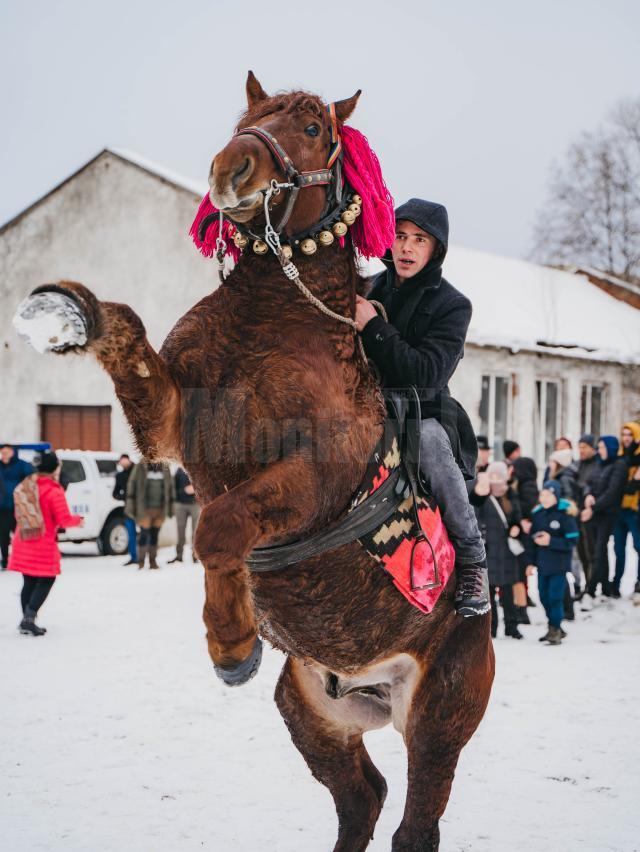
x: 364, y: 312
x: 529, y: 570
x: 542, y: 539
x: 514, y: 531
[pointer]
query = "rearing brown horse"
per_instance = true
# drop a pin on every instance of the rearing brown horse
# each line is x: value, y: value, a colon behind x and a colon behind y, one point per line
x: 267, y: 404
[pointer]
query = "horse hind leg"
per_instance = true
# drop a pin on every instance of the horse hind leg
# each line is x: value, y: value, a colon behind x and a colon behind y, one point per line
x: 448, y: 705
x: 329, y: 736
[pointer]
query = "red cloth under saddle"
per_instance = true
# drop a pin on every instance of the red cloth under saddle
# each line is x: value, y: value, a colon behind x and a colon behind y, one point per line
x: 393, y: 544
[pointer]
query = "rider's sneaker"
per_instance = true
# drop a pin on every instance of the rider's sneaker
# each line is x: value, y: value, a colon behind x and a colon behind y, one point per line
x: 472, y: 592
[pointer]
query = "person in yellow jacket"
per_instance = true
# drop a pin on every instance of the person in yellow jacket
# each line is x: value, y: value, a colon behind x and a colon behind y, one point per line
x: 628, y: 519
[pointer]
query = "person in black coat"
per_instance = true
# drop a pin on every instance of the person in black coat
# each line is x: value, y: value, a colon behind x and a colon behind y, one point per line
x: 602, y: 506
x: 120, y: 493
x: 588, y: 470
x: 499, y: 517
x: 420, y: 344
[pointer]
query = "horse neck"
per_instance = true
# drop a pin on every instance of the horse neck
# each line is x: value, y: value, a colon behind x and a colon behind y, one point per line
x: 330, y: 275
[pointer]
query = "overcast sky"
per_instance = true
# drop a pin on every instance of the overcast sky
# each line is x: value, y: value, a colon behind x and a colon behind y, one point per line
x: 466, y: 103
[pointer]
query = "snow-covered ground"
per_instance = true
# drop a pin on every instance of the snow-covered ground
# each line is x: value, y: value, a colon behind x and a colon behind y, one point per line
x: 117, y: 736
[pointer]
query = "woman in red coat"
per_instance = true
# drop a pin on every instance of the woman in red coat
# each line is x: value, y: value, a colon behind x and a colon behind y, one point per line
x: 35, y: 550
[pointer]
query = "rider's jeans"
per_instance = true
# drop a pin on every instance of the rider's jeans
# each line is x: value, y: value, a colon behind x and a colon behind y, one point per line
x: 448, y: 486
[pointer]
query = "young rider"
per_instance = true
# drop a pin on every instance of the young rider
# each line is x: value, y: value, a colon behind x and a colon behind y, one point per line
x: 421, y: 345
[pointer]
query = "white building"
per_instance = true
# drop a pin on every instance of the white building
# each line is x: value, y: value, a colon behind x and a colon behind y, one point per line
x: 548, y: 352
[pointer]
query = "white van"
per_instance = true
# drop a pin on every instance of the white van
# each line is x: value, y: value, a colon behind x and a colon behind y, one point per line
x: 90, y: 477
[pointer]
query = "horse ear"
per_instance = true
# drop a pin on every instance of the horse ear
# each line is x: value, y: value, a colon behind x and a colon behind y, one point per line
x: 346, y: 107
x: 255, y: 92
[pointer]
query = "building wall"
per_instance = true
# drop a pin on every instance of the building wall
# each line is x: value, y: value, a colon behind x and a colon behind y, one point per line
x: 123, y: 233
x: 622, y: 382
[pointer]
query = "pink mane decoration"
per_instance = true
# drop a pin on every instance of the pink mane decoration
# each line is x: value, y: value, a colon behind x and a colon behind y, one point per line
x: 207, y: 245
x: 373, y: 231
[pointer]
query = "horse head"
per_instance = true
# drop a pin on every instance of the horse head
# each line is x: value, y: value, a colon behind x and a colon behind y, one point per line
x: 300, y: 124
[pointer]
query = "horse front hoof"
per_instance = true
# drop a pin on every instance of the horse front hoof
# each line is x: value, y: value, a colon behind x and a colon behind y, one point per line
x: 51, y: 322
x: 243, y: 672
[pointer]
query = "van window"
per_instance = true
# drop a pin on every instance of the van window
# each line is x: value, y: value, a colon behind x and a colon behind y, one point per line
x: 107, y: 467
x: 73, y: 470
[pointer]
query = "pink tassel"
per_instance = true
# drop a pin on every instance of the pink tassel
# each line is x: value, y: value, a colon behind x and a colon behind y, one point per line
x: 207, y: 245
x: 374, y: 230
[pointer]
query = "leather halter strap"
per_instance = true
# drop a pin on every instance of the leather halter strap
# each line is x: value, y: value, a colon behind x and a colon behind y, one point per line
x: 299, y: 180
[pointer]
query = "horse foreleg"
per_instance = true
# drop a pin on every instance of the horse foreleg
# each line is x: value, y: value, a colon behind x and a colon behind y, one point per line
x: 447, y: 706
x: 328, y: 734
x: 279, y: 499
x: 67, y: 317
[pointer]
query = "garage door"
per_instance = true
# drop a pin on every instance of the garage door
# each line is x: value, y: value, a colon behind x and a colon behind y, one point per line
x: 76, y: 427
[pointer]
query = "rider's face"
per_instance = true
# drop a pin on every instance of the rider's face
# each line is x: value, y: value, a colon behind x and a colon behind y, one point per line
x: 412, y: 249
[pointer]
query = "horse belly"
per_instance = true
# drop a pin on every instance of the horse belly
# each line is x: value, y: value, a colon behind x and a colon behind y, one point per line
x: 367, y: 699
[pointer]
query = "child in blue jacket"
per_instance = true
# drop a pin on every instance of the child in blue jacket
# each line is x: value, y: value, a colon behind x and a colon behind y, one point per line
x: 554, y: 534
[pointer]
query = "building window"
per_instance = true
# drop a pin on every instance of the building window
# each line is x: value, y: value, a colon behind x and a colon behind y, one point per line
x: 592, y: 409
x: 76, y: 427
x: 547, y: 421
x: 495, y: 411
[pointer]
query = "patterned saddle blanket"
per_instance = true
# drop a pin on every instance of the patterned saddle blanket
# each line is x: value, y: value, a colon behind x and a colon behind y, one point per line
x: 412, y: 544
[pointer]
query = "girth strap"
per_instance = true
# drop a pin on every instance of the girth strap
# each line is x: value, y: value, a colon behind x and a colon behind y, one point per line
x: 365, y: 518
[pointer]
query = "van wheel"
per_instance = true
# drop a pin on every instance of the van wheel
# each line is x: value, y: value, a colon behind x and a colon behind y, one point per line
x: 114, y: 539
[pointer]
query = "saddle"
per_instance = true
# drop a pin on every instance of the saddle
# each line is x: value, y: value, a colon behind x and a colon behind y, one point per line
x: 391, y: 516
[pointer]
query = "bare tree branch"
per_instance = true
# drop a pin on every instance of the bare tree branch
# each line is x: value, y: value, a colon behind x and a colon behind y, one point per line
x: 592, y: 213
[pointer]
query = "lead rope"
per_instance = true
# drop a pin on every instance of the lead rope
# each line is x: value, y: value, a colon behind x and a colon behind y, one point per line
x: 289, y: 268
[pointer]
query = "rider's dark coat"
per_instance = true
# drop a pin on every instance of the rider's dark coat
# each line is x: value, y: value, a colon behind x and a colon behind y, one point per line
x: 423, y: 341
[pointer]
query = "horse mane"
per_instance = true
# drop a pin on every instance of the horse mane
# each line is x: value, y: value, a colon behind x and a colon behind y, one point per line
x: 373, y: 231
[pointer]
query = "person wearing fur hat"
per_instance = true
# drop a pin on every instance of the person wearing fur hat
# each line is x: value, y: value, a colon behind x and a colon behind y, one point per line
x: 41, y: 510
x: 420, y: 344
x: 628, y: 518
x: 554, y: 534
x: 563, y: 469
x: 603, y: 505
x: 499, y: 518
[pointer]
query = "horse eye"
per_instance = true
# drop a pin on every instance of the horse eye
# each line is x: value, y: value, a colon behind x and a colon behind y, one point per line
x: 312, y: 130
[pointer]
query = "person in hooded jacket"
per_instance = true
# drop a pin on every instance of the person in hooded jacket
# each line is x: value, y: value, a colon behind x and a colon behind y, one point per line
x: 420, y: 344
x: 603, y: 506
x: 37, y: 556
x: 554, y: 533
x: 628, y: 522
x: 12, y: 471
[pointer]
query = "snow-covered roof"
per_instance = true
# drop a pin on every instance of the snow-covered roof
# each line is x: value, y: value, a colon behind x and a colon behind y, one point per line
x: 198, y: 187
x: 523, y: 306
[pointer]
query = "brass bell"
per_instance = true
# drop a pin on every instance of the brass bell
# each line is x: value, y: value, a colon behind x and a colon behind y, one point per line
x: 355, y: 209
x: 325, y: 238
x: 287, y: 252
x: 356, y: 199
x: 339, y: 229
x: 240, y: 240
x: 260, y: 247
x: 308, y: 246
x: 348, y: 217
